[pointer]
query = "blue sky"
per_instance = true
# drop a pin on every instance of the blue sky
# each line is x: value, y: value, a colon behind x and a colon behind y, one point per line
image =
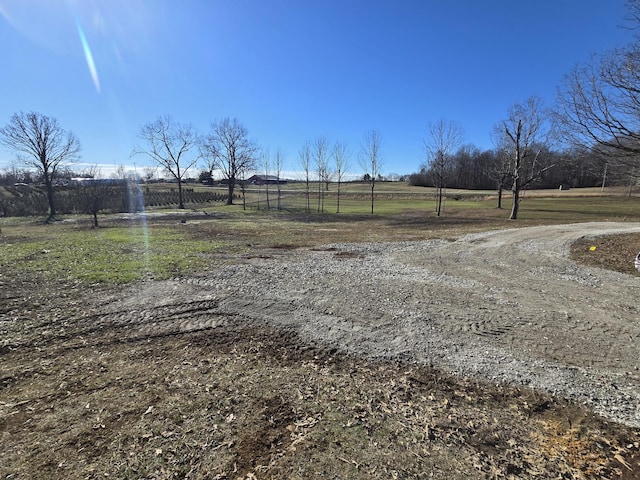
x: 291, y: 70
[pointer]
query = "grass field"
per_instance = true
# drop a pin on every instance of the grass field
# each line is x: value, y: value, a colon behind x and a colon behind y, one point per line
x: 130, y: 250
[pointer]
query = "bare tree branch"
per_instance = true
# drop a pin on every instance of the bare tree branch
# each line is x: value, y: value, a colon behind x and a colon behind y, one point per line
x: 42, y: 144
x: 321, y: 158
x: 341, y: 162
x: 525, y: 132
x: 304, y: 156
x: 228, y: 149
x: 168, y: 144
x: 445, y: 137
x: 371, y: 159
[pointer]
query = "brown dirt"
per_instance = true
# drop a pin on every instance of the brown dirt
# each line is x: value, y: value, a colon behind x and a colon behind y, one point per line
x: 235, y: 374
x: 613, y: 252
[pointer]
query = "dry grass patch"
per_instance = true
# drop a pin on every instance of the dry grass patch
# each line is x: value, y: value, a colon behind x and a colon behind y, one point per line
x: 613, y: 252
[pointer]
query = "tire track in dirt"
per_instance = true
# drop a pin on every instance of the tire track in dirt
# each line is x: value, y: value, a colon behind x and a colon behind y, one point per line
x: 508, y: 306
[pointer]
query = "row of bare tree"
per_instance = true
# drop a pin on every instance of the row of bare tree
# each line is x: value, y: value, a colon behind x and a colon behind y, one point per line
x: 325, y: 164
x: 42, y: 145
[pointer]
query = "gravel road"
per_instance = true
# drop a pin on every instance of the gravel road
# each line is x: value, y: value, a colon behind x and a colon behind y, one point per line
x: 506, y: 306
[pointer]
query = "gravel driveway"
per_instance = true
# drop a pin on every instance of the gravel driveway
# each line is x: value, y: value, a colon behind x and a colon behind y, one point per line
x: 506, y: 306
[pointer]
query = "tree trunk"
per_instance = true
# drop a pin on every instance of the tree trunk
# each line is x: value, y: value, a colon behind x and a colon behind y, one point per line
x: 516, y: 205
x: 49, y: 186
x: 180, y: 201
x: 438, y: 201
x: 499, y: 197
x: 95, y: 219
x: 232, y: 183
x: 373, y: 186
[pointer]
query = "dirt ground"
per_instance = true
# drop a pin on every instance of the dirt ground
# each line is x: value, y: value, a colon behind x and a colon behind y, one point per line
x: 488, y: 356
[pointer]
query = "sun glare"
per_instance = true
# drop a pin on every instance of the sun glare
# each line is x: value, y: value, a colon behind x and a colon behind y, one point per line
x: 89, y: 57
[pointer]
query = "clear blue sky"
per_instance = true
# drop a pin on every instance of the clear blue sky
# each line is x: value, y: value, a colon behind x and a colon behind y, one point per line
x: 291, y: 70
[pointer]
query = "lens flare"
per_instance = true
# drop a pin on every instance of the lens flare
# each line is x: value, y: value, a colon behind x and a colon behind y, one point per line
x: 87, y: 53
x: 136, y: 207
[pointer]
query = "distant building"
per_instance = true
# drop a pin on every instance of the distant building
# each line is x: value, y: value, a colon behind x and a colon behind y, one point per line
x: 265, y: 180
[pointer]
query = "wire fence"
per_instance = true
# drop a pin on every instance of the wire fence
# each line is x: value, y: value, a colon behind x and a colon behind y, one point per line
x: 322, y: 201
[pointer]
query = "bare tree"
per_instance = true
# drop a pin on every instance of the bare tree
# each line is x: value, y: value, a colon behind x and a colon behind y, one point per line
x: 599, y: 104
x: 444, y: 137
x: 327, y: 176
x: 599, y: 107
x: 526, y: 130
x: 500, y: 169
x: 149, y: 173
x: 242, y: 180
x: 169, y: 145
x: 95, y: 193
x: 371, y: 159
x: 304, y: 156
x: 120, y: 173
x: 229, y: 150
x: 278, y: 165
x: 265, y: 158
x: 341, y: 159
x: 42, y: 144
x: 500, y: 172
x: 321, y: 154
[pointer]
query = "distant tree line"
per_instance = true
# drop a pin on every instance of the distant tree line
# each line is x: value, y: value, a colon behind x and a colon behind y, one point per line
x: 473, y: 168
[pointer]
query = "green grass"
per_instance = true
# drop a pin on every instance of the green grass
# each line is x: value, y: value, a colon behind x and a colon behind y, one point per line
x: 117, y: 254
x: 106, y: 255
x: 547, y: 205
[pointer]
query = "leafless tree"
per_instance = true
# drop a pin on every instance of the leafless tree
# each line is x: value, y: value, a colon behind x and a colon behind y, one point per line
x: 321, y: 158
x: 304, y: 156
x: 445, y: 136
x: 172, y: 146
x: 501, y: 172
x: 120, y: 173
x: 341, y: 162
x: 371, y: 159
x: 94, y: 193
x: 149, y: 173
x: 242, y: 180
x: 633, y: 15
x: 526, y: 130
x: 599, y: 107
x: 500, y: 169
x: 228, y: 149
x: 265, y: 158
x: 278, y: 165
x: 42, y: 144
x: 599, y: 103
